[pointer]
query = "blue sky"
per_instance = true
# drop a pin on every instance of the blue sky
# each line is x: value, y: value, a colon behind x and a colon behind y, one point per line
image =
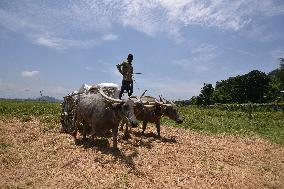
x: 178, y: 45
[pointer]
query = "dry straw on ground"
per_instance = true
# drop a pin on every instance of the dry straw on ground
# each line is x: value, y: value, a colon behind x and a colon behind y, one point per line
x: 34, y: 157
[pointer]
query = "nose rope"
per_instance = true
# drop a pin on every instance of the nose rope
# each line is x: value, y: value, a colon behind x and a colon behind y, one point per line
x: 128, y: 120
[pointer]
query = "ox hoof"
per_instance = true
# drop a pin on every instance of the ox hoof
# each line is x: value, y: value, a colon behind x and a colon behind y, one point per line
x: 115, y: 149
x: 134, y: 126
x: 84, y: 140
x: 126, y: 136
x: 62, y: 130
x: 77, y: 142
x: 158, y: 136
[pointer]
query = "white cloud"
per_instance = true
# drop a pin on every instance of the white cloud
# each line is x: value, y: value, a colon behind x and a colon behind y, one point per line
x: 47, y: 41
x: 200, y: 58
x: 262, y: 33
x: 29, y: 73
x: 221, y: 14
x: 63, y: 43
x: 89, y: 68
x: 270, y: 7
x: 151, y: 17
x: 110, y: 37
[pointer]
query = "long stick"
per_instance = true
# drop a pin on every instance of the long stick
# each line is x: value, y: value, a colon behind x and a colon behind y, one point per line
x: 143, y: 93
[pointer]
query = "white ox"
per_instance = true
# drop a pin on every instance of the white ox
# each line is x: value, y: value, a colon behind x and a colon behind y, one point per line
x: 70, y: 101
x: 112, y: 87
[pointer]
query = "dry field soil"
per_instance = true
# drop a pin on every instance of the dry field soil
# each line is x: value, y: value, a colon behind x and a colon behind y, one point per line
x: 32, y: 157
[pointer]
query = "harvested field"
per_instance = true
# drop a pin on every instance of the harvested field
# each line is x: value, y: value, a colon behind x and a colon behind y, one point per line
x: 35, y: 157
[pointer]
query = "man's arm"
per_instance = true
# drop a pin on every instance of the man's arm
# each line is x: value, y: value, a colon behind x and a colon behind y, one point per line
x: 119, y: 67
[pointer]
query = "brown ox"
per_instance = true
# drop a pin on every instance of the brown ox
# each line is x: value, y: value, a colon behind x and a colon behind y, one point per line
x: 153, y: 112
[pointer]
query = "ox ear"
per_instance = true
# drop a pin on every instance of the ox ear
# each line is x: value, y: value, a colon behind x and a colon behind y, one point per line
x: 159, y: 108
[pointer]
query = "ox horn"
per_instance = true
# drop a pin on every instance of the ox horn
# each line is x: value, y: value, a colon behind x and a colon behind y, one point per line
x: 162, y: 99
x: 149, y: 106
x: 163, y: 102
x: 145, y: 103
x: 135, y: 99
x: 108, y: 97
x: 168, y: 105
x: 139, y: 100
x: 157, y: 102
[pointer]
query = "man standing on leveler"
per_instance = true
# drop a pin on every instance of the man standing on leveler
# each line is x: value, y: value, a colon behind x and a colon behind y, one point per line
x: 126, y: 69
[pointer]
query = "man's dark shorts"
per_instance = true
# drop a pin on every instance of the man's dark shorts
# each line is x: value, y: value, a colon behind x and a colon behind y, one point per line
x: 127, y: 86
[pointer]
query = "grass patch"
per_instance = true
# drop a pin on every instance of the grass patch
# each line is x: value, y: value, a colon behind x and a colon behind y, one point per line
x: 121, y: 180
x: 4, y: 145
x: 267, y: 124
x: 27, y: 109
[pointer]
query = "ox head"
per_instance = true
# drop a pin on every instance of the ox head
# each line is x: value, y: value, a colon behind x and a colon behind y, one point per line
x: 170, y: 110
x: 125, y: 107
x: 141, y: 104
x: 163, y: 106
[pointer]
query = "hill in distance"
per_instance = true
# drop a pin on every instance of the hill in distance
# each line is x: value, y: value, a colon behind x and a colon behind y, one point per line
x: 48, y: 99
x: 43, y: 98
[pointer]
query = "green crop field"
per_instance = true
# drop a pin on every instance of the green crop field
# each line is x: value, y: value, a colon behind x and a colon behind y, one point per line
x: 267, y: 124
x: 47, y: 112
x: 19, y: 108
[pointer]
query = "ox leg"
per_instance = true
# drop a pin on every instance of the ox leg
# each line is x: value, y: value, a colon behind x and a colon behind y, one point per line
x: 74, y: 133
x: 158, y: 126
x: 144, y: 127
x: 84, y: 132
x: 93, y: 137
x: 126, y: 132
x: 121, y: 125
x: 114, y: 136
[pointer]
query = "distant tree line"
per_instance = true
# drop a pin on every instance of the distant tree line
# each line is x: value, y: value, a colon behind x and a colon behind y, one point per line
x: 254, y: 87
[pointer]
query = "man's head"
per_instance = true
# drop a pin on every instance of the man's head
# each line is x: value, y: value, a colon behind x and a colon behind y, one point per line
x: 130, y: 58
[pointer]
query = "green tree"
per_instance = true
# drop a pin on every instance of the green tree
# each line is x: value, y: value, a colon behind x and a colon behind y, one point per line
x: 207, y: 94
x: 256, y: 85
x: 280, y: 75
x: 251, y: 87
x: 193, y: 100
x: 277, y: 83
x: 199, y: 100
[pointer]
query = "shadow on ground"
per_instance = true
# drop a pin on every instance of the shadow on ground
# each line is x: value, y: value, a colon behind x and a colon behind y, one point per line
x: 126, y: 143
